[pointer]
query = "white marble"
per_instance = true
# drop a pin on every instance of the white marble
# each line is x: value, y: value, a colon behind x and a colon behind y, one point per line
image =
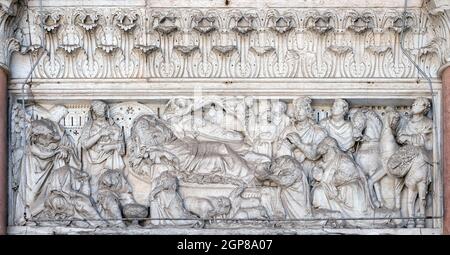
x: 225, y: 117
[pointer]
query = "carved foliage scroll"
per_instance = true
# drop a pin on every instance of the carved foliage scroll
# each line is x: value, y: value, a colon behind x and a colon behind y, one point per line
x: 207, y: 43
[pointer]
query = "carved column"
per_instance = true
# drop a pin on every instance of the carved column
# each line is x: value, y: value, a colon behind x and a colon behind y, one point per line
x: 8, y: 23
x: 446, y: 156
x: 439, y: 13
x: 3, y: 151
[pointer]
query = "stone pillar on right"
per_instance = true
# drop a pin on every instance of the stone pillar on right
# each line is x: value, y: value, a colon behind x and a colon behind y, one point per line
x: 445, y: 75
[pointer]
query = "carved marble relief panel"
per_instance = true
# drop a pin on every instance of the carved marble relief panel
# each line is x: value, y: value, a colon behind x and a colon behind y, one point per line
x: 232, y: 43
x: 223, y: 162
x: 127, y: 142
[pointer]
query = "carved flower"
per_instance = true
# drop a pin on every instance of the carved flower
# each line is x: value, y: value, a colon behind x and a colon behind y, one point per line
x: 399, y: 25
x: 88, y: 21
x: 205, y: 25
x: 51, y: 22
x: 321, y: 24
x: 70, y: 40
x: 283, y: 24
x: 186, y: 50
x: 243, y: 25
x: 126, y: 22
x: 167, y: 25
x: 224, y: 49
x: 361, y: 24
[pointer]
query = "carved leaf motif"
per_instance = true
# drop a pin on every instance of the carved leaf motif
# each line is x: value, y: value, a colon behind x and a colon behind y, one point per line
x: 244, y: 25
x: 361, y: 24
x: 402, y: 23
x: 321, y: 24
x: 378, y: 49
x: 340, y: 50
x: 147, y: 49
x: 186, y: 50
x: 310, y: 32
x: 88, y: 21
x: 167, y: 25
x: 205, y: 25
x: 107, y: 40
x: 225, y: 49
x: 70, y: 40
x: 263, y: 50
x: 283, y: 24
x: 51, y: 22
x: 126, y: 21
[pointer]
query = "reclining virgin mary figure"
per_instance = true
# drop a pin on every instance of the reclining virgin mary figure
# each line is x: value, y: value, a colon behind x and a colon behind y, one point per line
x: 153, y: 142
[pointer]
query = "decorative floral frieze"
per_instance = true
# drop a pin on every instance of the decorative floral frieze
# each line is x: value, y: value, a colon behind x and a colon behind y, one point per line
x: 243, y: 42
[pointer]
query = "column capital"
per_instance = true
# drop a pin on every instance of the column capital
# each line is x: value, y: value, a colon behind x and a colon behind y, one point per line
x: 439, y: 11
x: 9, y: 20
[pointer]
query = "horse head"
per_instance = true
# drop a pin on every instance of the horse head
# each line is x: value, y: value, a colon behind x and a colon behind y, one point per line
x: 391, y: 119
x: 365, y: 122
x: 358, y: 120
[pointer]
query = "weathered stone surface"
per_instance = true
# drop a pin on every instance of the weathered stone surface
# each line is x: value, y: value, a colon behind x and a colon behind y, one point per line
x: 226, y: 117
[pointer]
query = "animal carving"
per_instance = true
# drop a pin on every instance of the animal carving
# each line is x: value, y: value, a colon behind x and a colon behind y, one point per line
x: 208, y: 208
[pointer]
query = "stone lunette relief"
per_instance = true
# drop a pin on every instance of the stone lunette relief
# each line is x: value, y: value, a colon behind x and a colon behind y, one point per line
x: 221, y: 162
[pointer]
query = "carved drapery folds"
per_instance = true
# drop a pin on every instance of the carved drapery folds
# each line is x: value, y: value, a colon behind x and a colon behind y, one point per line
x: 233, y: 160
x: 214, y: 43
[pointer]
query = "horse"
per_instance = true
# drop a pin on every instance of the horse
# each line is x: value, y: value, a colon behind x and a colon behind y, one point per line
x: 375, y: 145
x: 379, y: 155
x: 412, y: 167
